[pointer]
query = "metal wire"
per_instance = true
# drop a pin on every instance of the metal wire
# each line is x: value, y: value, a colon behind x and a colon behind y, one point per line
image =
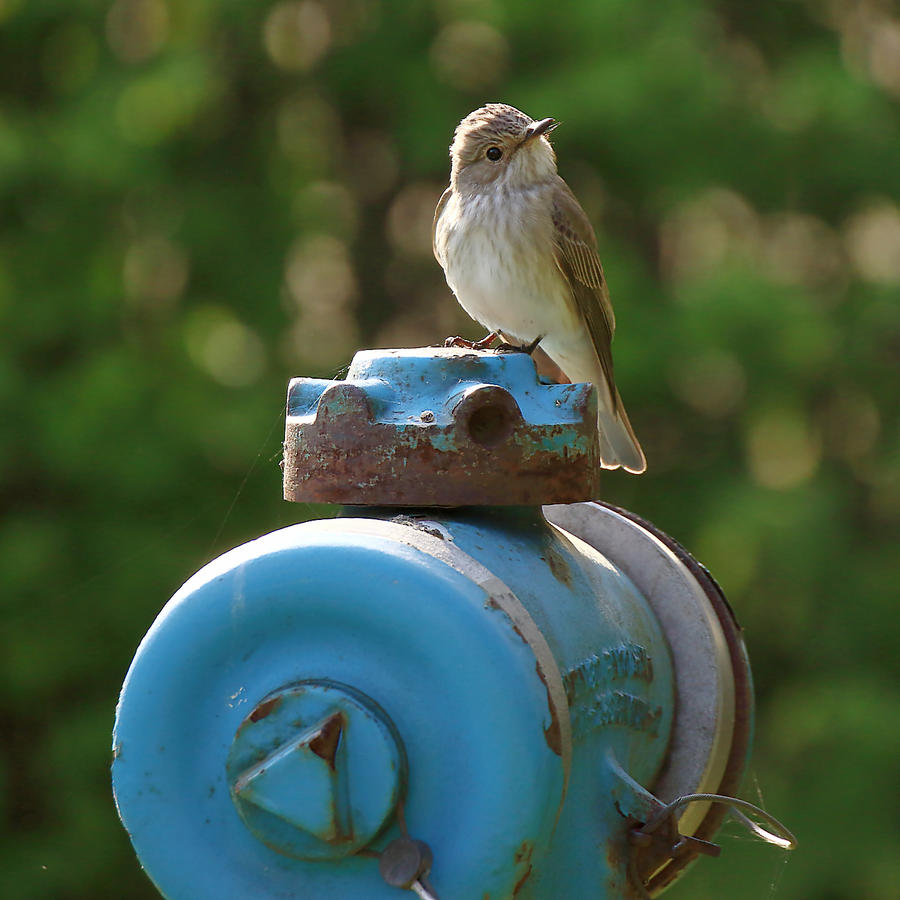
x: 785, y: 839
x: 421, y: 891
x: 780, y: 837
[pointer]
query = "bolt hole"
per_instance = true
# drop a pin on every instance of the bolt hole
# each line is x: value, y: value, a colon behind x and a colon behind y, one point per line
x: 489, y: 425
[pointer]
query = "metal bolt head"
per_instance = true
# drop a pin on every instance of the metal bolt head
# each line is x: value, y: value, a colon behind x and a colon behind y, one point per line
x: 316, y: 770
x: 404, y: 861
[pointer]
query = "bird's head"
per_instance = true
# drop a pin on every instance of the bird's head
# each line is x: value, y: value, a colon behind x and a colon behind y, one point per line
x: 499, y: 145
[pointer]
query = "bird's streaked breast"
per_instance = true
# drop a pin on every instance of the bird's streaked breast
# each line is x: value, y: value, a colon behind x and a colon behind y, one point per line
x: 497, y: 252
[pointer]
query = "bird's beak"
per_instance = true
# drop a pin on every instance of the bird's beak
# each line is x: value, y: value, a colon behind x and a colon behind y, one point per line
x: 536, y: 129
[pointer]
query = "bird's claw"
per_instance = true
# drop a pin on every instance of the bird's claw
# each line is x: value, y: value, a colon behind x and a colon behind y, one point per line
x: 516, y: 348
x: 483, y: 344
x: 486, y: 342
x: 458, y: 342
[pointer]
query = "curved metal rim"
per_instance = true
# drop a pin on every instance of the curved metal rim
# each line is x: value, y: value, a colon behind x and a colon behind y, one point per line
x: 663, y: 872
x: 743, y: 698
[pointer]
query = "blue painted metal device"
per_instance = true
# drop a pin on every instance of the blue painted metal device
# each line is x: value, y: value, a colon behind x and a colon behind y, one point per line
x: 447, y: 689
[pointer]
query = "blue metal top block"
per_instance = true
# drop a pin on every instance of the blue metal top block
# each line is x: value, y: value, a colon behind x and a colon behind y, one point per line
x: 440, y: 427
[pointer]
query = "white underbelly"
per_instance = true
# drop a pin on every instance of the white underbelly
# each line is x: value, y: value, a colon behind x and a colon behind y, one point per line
x: 505, y: 279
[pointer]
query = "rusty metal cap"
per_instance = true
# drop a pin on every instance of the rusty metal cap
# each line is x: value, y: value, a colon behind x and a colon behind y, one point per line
x: 440, y: 427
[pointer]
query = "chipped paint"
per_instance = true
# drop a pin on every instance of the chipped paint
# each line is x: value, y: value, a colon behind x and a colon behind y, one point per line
x: 490, y: 438
x: 264, y: 709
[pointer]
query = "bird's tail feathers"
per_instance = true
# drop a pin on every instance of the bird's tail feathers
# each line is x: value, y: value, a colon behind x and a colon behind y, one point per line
x: 619, y: 448
x: 618, y: 444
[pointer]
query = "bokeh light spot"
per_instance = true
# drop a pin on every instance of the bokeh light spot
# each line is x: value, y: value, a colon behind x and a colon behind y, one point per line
x: 802, y: 249
x: 873, y: 242
x: 137, y: 29
x: 321, y: 290
x: 410, y: 218
x: 151, y: 109
x: 321, y: 342
x: 884, y: 56
x: 713, y: 383
x: 782, y: 450
x: 699, y: 235
x: 469, y: 56
x: 297, y: 35
x: 851, y: 424
x: 327, y: 205
x: 223, y: 347
x: 319, y: 275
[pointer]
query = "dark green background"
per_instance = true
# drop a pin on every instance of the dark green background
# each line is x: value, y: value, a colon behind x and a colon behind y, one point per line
x: 199, y: 200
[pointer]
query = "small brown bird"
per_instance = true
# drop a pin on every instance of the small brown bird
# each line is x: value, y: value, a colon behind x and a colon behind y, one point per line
x: 521, y: 257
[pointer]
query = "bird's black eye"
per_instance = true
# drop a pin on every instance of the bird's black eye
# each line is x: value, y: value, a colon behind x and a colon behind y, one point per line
x: 493, y: 153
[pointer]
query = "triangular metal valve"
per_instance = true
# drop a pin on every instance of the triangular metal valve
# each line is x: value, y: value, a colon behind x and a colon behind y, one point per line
x: 302, y: 782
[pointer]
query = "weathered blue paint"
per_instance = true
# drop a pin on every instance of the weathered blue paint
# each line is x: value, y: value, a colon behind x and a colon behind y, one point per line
x: 490, y: 680
x: 405, y: 629
x: 316, y: 770
x: 617, y: 672
x: 397, y: 384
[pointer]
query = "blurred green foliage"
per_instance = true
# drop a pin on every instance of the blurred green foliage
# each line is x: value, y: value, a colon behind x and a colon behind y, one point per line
x: 201, y: 199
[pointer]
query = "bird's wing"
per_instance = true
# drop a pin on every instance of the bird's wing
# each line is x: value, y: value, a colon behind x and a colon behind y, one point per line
x: 575, y: 249
x: 437, y: 214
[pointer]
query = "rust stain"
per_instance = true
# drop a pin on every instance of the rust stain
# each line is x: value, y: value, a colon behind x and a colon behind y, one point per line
x: 325, y: 744
x: 420, y: 525
x: 343, y: 456
x: 491, y: 603
x: 570, y: 683
x: 523, y: 854
x: 518, y: 885
x: 552, y: 733
x: 264, y: 709
x: 614, y: 855
x: 558, y: 565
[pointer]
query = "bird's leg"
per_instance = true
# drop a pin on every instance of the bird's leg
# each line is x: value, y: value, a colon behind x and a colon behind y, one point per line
x: 483, y: 344
x: 486, y: 342
x: 530, y: 348
x: 517, y: 348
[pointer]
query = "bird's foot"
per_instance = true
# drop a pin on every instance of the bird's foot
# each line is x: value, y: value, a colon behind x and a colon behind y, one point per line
x: 486, y: 342
x: 462, y: 342
x: 519, y: 348
x: 458, y: 342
